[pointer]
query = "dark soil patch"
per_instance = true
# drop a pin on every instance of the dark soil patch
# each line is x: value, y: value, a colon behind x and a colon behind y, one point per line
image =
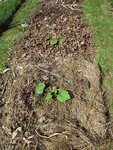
x: 79, y: 124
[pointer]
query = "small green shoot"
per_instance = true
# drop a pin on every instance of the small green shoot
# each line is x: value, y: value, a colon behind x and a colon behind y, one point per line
x: 53, y: 41
x: 40, y: 88
x: 54, y: 93
x: 62, y: 39
x: 63, y: 96
x: 48, y: 96
x: 54, y: 90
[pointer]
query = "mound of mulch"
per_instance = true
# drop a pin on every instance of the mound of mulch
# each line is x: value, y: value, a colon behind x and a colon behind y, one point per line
x: 81, y: 123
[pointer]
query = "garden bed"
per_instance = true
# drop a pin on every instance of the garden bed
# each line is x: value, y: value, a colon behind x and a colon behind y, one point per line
x: 82, y: 123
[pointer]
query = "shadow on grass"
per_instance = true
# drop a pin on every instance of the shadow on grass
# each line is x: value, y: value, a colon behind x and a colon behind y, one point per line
x: 6, y: 23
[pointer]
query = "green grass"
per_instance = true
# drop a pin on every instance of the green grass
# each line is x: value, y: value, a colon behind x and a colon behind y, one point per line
x: 7, y: 9
x: 111, y: 2
x: 101, y: 19
x: 8, y: 38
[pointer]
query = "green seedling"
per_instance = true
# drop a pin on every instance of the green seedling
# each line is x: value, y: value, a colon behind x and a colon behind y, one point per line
x: 53, y: 41
x: 49, y: 96
x: 54, y: 93
x: 40, y: 88
x: 54, y: 90
x: 63, y: 96
x: 62, y: 39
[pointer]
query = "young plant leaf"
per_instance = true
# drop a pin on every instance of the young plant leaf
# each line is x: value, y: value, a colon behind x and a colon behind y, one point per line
x: 54, y: 89
x: 63, y: 96
x: 48, y: 97
x: 40, y: 88
x: 62, y: 39
x: 53, y: 41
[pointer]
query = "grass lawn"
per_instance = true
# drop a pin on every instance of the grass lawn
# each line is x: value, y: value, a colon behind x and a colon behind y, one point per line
x: 7, y: 8
x: 111, y: 1
x: 14, y: 33
x: 101, y: 19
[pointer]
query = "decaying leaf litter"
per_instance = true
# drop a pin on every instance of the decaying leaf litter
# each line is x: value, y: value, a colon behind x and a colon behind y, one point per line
x: 83, y: 122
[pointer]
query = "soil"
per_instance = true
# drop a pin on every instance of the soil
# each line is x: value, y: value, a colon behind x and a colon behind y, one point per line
x: 81, y: 123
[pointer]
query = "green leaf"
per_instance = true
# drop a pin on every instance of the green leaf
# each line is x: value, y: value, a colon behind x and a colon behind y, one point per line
x: 53, y: 41
x: 63, y: 96
x: 54, y: 89
x: 48, y: 96
x: 40, y: 88
x: 62, y: 39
